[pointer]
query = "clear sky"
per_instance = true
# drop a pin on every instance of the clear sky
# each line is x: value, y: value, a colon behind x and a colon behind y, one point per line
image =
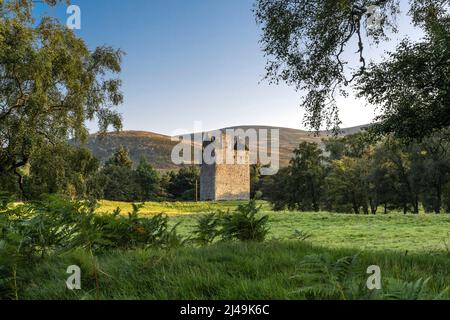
x: 196, y: 60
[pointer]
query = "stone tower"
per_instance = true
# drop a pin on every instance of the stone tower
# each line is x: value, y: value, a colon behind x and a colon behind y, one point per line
x: 224, y: 180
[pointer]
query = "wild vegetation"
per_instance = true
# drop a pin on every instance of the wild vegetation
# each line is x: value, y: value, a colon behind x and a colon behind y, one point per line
x: 320, y: 48
x: 50, y: 218
x: 355, y: 174
x: 242, y: 254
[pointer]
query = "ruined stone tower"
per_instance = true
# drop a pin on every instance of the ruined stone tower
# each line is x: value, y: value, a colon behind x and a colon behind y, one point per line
x: 225, y: 180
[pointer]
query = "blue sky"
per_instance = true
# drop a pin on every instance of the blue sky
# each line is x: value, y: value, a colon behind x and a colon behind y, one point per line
x: 197, y: 60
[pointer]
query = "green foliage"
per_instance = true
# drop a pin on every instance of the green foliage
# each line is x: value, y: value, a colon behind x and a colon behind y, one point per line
x: 119, y: 181
x: 106, y: 232
x: 309, y: 44
x: 120, y: 158
x: 207, y: 228
x: 318, y: 46
x: 6, y: 199
x: 422, y: 68
x: 324, y: 277
x: 184, y: 183
x: 230, y: 270
x: 37, y: 230
x: 307, y: 174
x: 51, y: 84
x: 301, y: 235
x: 356, y: 174
x: 61, y: 169
x: 148, y: 181
x: 115, y: 269
x: 245, y: 224
x: 402, y: 290
x: 276, y: 189
x: 255, y: 181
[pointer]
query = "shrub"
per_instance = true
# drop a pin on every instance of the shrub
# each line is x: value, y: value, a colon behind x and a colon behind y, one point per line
x: 244, y: 224
x: 132, y: 231
x: 207, y: 228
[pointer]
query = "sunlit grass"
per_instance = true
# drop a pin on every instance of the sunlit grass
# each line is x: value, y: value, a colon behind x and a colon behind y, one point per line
x: 393, y: 232
x: 173, y: 208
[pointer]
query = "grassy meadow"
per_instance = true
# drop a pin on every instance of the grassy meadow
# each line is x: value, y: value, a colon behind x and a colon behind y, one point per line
x: 269, y: 270
x: 394, y: 232
x: 411, y: 250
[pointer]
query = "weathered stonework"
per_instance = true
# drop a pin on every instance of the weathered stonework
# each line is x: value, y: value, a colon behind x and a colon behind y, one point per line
x: 225, y: 181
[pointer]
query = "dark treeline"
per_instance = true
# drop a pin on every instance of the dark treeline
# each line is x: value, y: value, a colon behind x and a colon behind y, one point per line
x: 354, y: 174
x: 75, y: 172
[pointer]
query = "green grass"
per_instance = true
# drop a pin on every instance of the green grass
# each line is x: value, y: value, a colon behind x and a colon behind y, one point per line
x: 269, y: 270
x: 408, y: 248
x: 394, y: 232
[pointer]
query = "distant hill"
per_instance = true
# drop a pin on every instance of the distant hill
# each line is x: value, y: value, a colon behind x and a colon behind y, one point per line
x: 157, y: 148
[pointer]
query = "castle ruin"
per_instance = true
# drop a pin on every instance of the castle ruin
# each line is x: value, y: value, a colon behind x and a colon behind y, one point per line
x: 223, y: 180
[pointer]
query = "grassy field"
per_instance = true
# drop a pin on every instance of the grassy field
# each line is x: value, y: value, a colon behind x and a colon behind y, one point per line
x: 411, y: 250
x: 393, y: 232
x: 172, y: 208
x: 270, y: 270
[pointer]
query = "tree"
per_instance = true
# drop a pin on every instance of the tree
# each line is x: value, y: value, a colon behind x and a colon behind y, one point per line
x: 307, y: 176
x: 382, y: 176
x: 118, y: 178
x: 317, y: 46
x: 51, y: 83
x: 60, y: 169
x: 412, y: 86
x: 407, y: 184
x: 431, y: 159
x: 347, y: 183
x: 120, y: 158
x: 147, y: 180
x: 276, y: 189
x: 184, y: 183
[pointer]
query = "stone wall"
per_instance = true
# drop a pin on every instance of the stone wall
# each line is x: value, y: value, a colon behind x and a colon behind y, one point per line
x: 232, y: 182
x: 207, y: 182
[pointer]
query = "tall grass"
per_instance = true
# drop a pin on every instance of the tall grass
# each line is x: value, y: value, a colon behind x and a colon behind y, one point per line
x: 270, y: 270
x: 134, y: 257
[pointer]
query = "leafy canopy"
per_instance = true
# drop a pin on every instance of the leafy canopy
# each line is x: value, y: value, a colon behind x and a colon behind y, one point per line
x: 50, y: 84
x: 318, y: 46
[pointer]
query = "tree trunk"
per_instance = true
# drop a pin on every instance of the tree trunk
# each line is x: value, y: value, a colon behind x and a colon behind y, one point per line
x: 20, y: 183
x: 438, y: 204
x: 355, y: 205
x: 416, y: 204
x: 373, y: 207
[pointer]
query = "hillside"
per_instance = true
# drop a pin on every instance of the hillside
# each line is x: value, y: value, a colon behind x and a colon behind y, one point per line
x: 157, y: 148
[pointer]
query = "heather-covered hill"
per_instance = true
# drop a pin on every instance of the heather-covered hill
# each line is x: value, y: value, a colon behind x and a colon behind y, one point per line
x: 157, y: 148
